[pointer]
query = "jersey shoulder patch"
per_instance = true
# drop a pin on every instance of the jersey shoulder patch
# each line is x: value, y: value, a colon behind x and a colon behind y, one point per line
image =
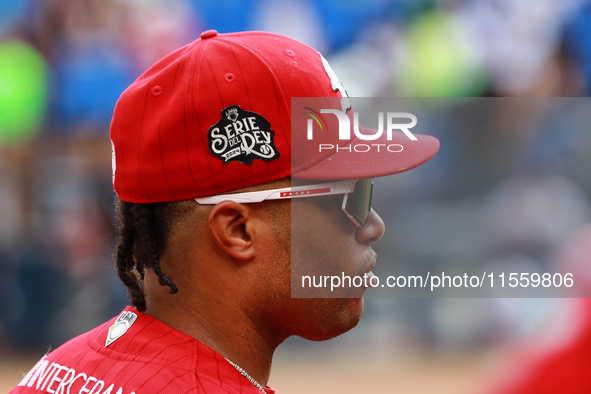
x: 120, y: 327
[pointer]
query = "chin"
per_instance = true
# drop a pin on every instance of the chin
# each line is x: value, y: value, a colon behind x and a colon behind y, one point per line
x: 337, y: 316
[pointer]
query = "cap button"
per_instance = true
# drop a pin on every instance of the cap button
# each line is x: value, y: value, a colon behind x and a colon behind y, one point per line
x: 209, y: 34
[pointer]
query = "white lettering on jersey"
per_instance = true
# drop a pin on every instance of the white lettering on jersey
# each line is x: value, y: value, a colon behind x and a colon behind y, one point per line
x: 59, y: 379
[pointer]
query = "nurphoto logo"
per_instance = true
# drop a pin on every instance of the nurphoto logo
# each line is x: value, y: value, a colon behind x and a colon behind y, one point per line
x: 395, y: 121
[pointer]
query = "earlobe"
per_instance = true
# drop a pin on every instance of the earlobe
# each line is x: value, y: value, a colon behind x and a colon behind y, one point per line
x: 229, y: 225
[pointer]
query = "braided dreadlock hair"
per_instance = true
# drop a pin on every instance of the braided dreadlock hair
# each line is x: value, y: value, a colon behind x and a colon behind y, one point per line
x: 143, y: 234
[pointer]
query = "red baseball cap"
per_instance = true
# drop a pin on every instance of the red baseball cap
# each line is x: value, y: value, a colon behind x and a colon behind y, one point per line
x: 215, y: 116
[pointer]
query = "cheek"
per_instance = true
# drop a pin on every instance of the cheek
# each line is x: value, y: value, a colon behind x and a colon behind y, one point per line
x: 323, y: 245
x: 312, y: 245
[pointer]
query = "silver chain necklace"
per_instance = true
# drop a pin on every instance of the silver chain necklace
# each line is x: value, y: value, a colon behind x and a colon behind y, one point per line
x: 247, y: 376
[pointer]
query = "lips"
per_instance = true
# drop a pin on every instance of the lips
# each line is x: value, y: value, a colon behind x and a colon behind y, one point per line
x: 372, y: 264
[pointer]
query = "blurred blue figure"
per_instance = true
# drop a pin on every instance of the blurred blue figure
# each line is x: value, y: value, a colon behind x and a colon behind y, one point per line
x: 343, y: 21
x: 226, y: 15
x: 577, y: 40
x: 11, y: 12
x: 87, y: 84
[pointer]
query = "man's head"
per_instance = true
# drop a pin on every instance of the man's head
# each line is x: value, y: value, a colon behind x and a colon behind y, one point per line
x: 224, y: 194
x: 183, y: 252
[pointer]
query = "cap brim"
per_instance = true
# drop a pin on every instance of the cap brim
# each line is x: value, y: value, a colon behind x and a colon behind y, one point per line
x: 384, y: 157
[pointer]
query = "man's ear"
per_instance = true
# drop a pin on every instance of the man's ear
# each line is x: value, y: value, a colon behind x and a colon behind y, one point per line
x: 229, y: 225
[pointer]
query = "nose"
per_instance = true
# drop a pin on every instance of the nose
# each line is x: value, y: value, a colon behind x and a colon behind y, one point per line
x: 372, y: 230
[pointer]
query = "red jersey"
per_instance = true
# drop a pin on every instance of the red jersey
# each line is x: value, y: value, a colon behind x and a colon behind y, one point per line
x: 562, y: 370
x: 134, y: 353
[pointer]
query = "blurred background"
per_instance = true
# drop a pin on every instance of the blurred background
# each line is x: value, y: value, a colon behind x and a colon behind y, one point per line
x: 64, y: 63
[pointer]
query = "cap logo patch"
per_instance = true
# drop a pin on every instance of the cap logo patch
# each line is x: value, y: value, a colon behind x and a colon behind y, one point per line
x: 120, y: 327
x: 336, y: 84
x: 242, y: 136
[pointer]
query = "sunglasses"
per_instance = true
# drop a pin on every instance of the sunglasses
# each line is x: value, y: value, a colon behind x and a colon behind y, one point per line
x: 356, y: 196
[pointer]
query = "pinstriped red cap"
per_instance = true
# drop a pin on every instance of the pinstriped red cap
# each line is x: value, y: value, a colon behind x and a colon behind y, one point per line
x: 214, y: 116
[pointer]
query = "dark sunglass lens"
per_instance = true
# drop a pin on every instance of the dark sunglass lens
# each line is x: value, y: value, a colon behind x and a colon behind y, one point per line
x: 359, y: 202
